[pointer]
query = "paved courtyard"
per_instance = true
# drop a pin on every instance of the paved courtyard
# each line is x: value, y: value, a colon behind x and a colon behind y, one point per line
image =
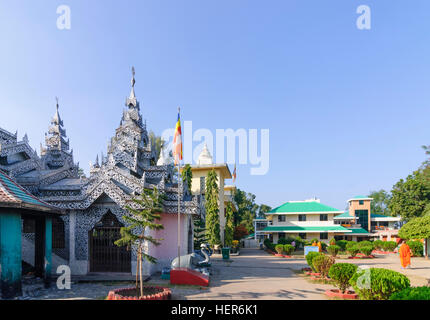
x: 253, y: 275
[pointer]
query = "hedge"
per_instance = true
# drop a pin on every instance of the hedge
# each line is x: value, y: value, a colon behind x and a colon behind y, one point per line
x: 322, y: 264
x: 417, y: 248
x: 289, y: 249
x: 333, y: 250
x: 309, y: 259
x: 417, y: 293
x: 378, y: 283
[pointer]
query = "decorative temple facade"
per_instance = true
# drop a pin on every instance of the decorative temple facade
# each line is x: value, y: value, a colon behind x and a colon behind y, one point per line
x: 94, y: 207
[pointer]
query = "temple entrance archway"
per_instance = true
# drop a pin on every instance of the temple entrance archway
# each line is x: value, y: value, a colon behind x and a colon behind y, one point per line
x: 105, y: 255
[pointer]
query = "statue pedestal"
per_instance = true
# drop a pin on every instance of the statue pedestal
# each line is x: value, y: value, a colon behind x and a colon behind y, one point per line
x: 189, y: 277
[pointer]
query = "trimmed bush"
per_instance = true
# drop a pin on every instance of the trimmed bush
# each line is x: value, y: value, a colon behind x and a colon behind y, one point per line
x: 353, y: 250
x: 366, y: 250
x: 314, y: 240
x: 341, y: 273
x: 289, y: 249
x: 378, y: 283
x: 287, y: 240
x: 310, y: 257
x: 342, y: 244
x: 279, y: 248
x: 362, y: 244
x: 332, y: 242
x: 333, y: 250
x: 378, y: 244
x: 324, y: 246
x: 390, y: 245
x: 269, y: 244
x: 322, y: 264
x: 417, y: 293
x: 417, y: 248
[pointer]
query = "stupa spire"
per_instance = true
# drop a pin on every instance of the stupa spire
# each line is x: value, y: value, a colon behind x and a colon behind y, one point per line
x: 131, y: 100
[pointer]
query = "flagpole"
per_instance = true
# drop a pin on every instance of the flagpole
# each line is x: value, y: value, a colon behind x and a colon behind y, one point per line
x: 179, y: 203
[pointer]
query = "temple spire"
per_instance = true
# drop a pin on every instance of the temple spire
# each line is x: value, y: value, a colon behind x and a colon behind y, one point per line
x: 131, y: 100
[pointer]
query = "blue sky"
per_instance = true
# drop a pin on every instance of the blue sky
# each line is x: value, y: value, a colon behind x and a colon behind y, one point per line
x: 347, y: 109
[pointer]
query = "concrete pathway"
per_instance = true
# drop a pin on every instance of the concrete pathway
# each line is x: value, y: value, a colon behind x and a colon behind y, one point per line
x: 257, y: 275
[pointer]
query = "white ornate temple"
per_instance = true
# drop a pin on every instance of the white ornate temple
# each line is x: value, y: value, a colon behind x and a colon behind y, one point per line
x: 94, y: 207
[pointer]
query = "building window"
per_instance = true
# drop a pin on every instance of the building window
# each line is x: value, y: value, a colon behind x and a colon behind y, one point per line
x: 302, y: 217
x: 361, y: 202
x: 323, y: 235
x: 58, y: 234
x: 302, y: 235
x: 363, y: 218
x: 323, y: 217
x: 281, y: 218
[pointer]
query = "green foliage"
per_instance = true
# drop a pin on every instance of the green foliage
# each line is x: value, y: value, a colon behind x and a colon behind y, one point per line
x: 352, y: 249
x: 289, y: 249
x: 212, y: 209
x: 314, y: 240
x: 417, y: 247
x: 381, y: 200
x: 150, y: 204
x: 269, y: 244
x: 418, y: 228
x: 362, y: 244
x: 342, y: 244
x: 412, y: 293
x: 199, y: 233
x: 332, y: 242
x: 411, y: 196
x: 378, y: 283
x: 229, y: 225
x: 378, y: 244
x: 240, y: 232
x: 187, y: 176
x: 389, y: 246
x: 341, y: 273
x: 366, y: 250
x: 287, y: 240
x: 247, y: 209
x: 156, y: 144
x: 333, y: 250
x: 279, y: 248
x: 310, y: 257
x: 322, y: 264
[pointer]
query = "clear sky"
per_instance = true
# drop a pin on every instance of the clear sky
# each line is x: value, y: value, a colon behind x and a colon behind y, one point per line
x: 347, y: 109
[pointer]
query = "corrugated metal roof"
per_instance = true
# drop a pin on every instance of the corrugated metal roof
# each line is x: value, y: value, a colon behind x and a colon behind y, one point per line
x: 304, y: 207
x: 13, y: 195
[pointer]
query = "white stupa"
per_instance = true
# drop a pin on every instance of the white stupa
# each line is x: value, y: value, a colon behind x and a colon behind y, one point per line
x: 205, y: 156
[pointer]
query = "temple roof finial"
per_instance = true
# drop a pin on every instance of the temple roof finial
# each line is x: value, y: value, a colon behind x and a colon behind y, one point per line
x: 131, y: 100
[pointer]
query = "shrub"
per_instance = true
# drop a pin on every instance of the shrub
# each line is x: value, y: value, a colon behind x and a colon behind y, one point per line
x: 289, y: 249
x: 324, y: 246
x: 333, y: 250
x: 390, y: 245
x: 310, y: 257
x: 362, y: 244
x: 341, y: 273
x: 353, y: 250
x: 366, y: 250
x: 417, y: 248
x: 332, y: 242
x: 287, y: 240
x: 378, y: 283
x: 378, y: 244
x: 322, y: 264
x: 342, y: 244
x: 350, y: 244
x: 269, y: 244
x: 279, y: 248
x: 299, y: 241
x: 314, y: 240
x: 417, y: 293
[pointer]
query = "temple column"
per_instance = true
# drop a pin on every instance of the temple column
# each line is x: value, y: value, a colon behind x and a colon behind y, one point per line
x: 48, y: 252
x: 10, y: 255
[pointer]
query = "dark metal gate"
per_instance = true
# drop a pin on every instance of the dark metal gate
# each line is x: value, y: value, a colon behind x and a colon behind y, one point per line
x: 105, y: 255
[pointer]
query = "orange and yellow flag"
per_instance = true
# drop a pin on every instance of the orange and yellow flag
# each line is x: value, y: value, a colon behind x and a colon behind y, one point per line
x: 177, y: 141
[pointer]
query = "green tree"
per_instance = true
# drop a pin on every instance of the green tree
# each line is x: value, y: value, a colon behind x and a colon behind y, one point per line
x: 381, y: 200
x: 150, y: 204
x: 410, y: 197
x: 417, y: 228
x: 156, y: 144
x: 229, y: 225
x: 212, y: 209
x: 187, y: 176
x: 199, y: 233
x: 262, y: 209
x: 247, y: 210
